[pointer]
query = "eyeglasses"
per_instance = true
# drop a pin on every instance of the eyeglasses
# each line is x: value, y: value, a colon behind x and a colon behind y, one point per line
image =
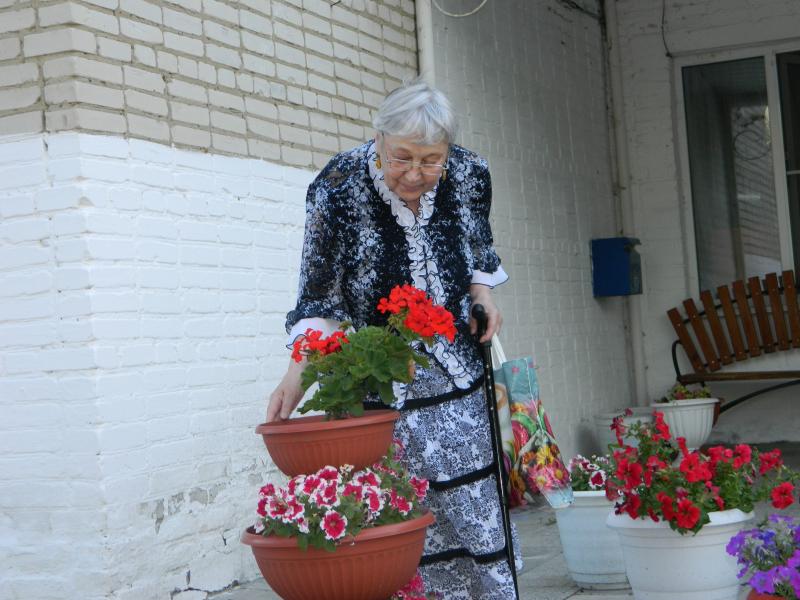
x: 404, y: 166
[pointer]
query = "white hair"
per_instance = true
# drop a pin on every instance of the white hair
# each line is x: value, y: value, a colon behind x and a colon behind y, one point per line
x: 417, y: 111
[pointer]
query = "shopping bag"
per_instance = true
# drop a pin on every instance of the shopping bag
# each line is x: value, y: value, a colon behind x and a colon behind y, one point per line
x: 531, y: 454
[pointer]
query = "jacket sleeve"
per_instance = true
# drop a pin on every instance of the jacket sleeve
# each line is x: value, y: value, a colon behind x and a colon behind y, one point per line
x: 319, y: 295
x: 486, y: 262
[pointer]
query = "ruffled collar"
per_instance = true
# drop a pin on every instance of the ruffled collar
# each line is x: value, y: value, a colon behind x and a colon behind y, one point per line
x: 404, y: 215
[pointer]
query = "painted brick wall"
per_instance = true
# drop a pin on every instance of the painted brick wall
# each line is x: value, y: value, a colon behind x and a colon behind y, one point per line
x: 290, y: 81
x: 650, y: 120
x: 529, y: 79
x: 141, y: 325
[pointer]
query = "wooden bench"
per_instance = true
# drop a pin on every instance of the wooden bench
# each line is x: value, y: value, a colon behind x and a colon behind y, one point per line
x: 749, y: 319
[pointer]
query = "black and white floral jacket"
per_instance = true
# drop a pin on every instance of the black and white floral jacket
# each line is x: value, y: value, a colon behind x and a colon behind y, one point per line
x: 361, y: 240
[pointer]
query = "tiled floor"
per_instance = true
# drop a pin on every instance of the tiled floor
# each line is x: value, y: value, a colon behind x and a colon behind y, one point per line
x: 545, y: 575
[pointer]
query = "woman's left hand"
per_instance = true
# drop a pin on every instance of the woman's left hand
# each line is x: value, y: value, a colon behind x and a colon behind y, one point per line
x: 482, y: 294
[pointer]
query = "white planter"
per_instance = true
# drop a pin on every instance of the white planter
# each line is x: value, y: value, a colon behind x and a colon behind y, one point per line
x: 602, y: 425
x: 591, y: 550
x: 663, y: 565
x: 691, y: 419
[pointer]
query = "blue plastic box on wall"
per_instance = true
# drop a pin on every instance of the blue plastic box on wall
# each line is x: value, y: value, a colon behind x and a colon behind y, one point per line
x: 616, y: 267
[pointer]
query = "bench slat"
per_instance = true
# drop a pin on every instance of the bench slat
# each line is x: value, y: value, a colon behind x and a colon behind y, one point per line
x: 731, y: 322
x: 742, y: 376
x: 686, y: 340
x: 701, y: 335
x: 790, y: 294
x: 716, y: 327
x: 777, y: 311
x: 757, y: 297
x: 747, y: 320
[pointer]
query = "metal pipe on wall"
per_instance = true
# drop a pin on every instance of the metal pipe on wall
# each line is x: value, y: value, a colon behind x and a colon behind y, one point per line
x: 628, y: 220
x: 424, y: 20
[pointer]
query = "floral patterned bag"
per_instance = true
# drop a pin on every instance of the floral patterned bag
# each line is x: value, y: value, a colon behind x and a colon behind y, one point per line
x: 532, y: 457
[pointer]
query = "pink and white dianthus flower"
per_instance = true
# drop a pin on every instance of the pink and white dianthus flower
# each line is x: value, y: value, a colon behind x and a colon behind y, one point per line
x: 276, y: 508
x: 354, y: 490
x: 327, y: 495
x: 310, y: 484
x: 420, y: 487
x: 373, y: 498
x: 329, y: 474
x: 266, y: 491
x: 399, y: 502
x: 367, y: 478
x: 334, y: 525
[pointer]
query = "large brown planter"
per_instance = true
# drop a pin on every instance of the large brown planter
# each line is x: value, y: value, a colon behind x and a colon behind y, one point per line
x: 371, y: 566
x: 306, y: 444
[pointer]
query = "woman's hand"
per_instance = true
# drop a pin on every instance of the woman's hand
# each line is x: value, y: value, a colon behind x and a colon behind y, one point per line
x: 482, y: 294
x: 285, y: 398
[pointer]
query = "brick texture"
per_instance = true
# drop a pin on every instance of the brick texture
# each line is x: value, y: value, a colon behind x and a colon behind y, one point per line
x: 281, y: 51
x: 141, y: 325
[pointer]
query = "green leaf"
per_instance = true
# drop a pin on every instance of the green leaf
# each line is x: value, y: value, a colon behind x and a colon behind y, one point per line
x: 386, y: 393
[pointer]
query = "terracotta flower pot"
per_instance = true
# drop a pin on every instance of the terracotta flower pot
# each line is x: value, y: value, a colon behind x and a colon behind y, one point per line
x: 754, y: 595
x: 306, y: 444
x: 371, y: 566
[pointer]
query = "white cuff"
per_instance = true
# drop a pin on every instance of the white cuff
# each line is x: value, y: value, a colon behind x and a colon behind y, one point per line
x: 490, y: 279
x: 326, y: 326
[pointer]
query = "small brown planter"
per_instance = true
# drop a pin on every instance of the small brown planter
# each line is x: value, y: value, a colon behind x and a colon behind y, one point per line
x: 371, y: 566
x: 306, y: 444
x: 754, y: 595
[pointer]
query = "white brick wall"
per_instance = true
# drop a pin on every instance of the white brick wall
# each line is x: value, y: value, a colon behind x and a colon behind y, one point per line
x: 141, y: 327
x: 180, y: 72
x: 650, y: 120
x: 528, y: 79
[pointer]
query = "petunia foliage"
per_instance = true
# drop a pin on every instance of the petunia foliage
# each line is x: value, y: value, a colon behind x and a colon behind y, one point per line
x: 663, y: 481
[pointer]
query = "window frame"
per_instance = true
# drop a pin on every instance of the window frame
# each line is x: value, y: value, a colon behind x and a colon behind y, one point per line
x: 768, y: 52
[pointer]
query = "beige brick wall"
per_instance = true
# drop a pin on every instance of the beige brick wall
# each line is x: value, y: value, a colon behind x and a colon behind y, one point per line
x: 290, y: 81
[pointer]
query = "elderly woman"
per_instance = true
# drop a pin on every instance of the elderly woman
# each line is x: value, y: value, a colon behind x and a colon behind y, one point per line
x: 410, y: 206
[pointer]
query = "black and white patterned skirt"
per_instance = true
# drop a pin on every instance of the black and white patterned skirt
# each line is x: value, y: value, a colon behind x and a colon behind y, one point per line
x: 447, y: 440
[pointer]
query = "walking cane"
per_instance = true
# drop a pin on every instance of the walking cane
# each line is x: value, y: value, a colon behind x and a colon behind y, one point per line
x: 479, y: 314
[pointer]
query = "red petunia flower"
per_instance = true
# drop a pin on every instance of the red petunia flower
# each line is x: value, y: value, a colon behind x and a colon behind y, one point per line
x: 743, y: 454
x: 782, y: 495
x: 687, y: 514
x: 769, y: 460
x: 631, y: 472
x: 662, y: 429
x: 695, y: 469
x: 667, y: 506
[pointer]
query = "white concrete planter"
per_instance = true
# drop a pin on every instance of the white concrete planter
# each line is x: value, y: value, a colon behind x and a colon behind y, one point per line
x: 602, y: 425
x: 591, y: 550
x: 691, y: 418
x: 663, y: 565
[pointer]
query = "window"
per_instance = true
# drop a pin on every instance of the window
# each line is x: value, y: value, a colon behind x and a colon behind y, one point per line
x: 737, y: 206
x: 789, y: 82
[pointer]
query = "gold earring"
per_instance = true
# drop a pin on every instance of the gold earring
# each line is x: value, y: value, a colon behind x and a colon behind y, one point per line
x: 444, y: 174
x: 378, y: 162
